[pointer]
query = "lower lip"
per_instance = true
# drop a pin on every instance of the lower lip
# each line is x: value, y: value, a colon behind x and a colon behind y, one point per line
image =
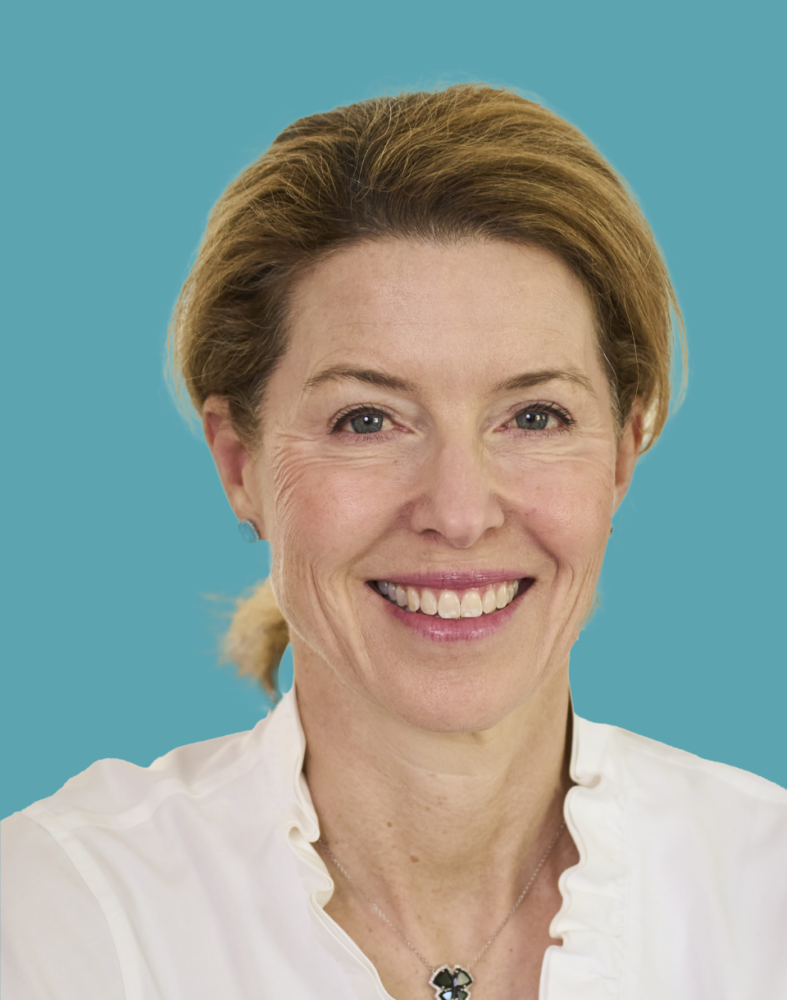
x: 454, y: 629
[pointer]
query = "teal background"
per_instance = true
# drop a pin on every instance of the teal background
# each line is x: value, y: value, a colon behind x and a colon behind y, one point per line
x: 123, y: 124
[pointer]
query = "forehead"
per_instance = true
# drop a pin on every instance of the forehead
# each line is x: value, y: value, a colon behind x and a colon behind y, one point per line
x: 467, y: 308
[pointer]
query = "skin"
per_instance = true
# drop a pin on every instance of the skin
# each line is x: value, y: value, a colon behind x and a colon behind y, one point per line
x: 438, y: 769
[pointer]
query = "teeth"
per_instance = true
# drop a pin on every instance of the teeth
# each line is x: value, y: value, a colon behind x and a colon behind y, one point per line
x: 450, y: 604
x: 489, y: 601
x: 472, y: 606
x: 428, y: 602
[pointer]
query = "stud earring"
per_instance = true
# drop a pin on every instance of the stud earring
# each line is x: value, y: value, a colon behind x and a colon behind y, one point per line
x: 248, y: 532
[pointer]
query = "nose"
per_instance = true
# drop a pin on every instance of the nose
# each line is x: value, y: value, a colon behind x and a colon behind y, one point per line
x: 457, y: 499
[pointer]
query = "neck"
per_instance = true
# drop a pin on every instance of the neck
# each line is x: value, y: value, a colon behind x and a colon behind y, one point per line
x: 416, y: 815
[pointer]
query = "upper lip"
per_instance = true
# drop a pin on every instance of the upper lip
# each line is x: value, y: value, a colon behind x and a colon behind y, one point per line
x: 459, y: 580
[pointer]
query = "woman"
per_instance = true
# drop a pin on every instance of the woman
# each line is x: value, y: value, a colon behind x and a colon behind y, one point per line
x: 428, y: 337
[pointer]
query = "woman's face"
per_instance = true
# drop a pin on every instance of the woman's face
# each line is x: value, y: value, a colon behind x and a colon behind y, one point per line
x: 441, y: 421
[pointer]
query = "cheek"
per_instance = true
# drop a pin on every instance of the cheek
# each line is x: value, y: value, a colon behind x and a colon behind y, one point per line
x: 329, y: 510
x: 570, y: 500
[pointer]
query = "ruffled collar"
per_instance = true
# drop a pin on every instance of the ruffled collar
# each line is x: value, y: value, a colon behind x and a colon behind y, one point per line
x: 591, y: 919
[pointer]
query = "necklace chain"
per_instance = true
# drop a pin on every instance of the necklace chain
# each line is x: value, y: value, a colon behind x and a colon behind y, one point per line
x: 483, y: 951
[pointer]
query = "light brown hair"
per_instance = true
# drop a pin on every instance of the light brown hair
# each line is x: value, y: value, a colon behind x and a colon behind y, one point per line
x: 461, y: 162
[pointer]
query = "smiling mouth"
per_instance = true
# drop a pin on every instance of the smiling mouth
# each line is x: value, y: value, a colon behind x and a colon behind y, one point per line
x: 472, y: 602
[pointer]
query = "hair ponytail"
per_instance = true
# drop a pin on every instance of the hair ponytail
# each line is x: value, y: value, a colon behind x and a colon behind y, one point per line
x: 257, y: 637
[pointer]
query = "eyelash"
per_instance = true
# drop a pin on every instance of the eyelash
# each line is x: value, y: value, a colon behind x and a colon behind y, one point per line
x: 540, y: 407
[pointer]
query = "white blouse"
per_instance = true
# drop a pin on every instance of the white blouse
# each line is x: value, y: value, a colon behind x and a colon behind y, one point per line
x: 196, y: 879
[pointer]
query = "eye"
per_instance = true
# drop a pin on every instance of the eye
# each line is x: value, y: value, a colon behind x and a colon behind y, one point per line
x: 366, y: 423
x: 538, y: 416
x: 361, y: 420
x: 533, y: 420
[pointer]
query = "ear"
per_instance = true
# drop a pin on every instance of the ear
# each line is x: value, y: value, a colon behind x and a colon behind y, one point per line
x: 628, y: 451
x: 233, y: 460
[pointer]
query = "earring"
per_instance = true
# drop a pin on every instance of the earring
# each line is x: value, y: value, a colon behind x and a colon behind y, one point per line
x: 611, y: 528
x: 248, y: 532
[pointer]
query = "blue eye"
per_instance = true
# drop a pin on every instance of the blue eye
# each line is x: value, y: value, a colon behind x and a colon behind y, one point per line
x: 533, y: 420
x: 361, y: 420
x: 536, y: 417
x: 366, y: 423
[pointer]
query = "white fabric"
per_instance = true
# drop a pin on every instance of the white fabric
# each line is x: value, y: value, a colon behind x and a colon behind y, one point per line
x: 196, y: 879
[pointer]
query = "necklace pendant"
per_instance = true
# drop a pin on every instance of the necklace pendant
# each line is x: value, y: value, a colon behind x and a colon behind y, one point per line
x: 451, y: 983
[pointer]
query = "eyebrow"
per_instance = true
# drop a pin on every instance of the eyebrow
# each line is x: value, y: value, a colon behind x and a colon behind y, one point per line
x: 384, y: 380
x: 528, y: 379
x: 371, y: 376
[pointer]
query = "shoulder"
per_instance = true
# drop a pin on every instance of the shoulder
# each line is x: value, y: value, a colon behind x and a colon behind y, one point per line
x: 694, y: 827
x: 93, y: 872
x: 639, y: 761
x: 698, y: 853
x: 114, y: 792
x: 738, y: 817
x: 72, y: 862
x: 113, y: 806
x: 676, y: 804
x: 688, y: 775
x: 56, y: 940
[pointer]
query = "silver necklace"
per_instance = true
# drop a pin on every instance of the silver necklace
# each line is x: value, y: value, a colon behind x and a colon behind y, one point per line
x: 450, y: 982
